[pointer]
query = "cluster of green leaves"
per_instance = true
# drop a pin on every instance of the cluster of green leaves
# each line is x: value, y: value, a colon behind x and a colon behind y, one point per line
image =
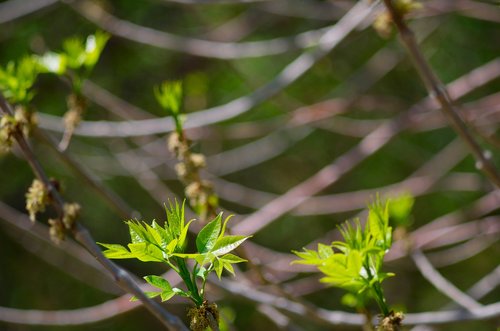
x: 79, y: 55
x: 169, y: 96
x: 355, y: 264
x: 168, y: 244
x: 17, y: 79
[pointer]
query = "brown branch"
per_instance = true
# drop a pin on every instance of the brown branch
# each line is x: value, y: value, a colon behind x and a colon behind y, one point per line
x: 82, y: 235
x: 438, y: 91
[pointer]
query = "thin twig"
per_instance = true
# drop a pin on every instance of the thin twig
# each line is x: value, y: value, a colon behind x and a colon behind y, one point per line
x: 438, y: 91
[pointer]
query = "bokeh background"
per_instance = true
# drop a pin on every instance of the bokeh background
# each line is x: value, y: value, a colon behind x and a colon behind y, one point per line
x: 365, y: 87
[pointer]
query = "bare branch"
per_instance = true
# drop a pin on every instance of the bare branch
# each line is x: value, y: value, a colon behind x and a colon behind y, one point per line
x: 332, y: 37
x: 14, y: 9
x: 438, y: 92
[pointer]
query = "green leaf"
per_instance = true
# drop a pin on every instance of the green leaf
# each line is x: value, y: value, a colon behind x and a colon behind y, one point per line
x: 324, y: 251
x: 175, y: 218
x: 308, y: 256
x: 167, y: 295
x: 115, y: 251
x: 169, y: 96
x: 400, y: 209
x: 219, y: 267
x: 161, y: 283
x: 171, y: 246
x: 207, y: 237
x: 201, y: 272
x: 224, y: 226
x: 84, y: 54
x: 148, y: 294
x: 181, y: 244
x: 16, y: 79
x: 231, y: 258
x: 378, y: 220
x: 51, y: 62
x: 226, y: 244
x: 146, y: 252
x: 94, y: 46
x: 180, y: 292
x: 165, y: 236
x: 158, y: 282
x: 154, y: 234
x: 227, y: 265
x: 137, y: 232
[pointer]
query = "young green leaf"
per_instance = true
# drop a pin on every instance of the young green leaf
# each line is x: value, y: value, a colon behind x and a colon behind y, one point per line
x: 51, y: 62
x: 146, y: 252
x: 148, y: 294
x: 16, y: 79
x: 154, y: 235
x: 207, y: 237
x: 231, y: 258
x: 94, y: 46
x: 226, y: 244
x: 169, y: 96
x: 158, y: 282
x: 324, y: 251
x: 181, y: 243
x: 224, y: 226
x: 308, y: 256
x: 219, y: 267
x: 175, y: 219
x: 115, y: 251
x: 400, y: 209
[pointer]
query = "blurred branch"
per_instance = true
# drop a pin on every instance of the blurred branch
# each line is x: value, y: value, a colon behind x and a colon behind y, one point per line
x: 214, y: 2
x: 438, y: 92
x: 80, y: 316
x: 199, y: 47
x: 67, y: 256
x: 82, y: 235
x: 357, y: 15
x: 14, y: 9
x: 115, y: 201
x: 463, y: 251
x: 482, y: 287
x: 442, y: 284
x: 328, y: 317
x: 475, y: 9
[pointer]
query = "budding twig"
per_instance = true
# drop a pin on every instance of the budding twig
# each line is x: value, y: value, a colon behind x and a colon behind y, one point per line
x: 82, y: 235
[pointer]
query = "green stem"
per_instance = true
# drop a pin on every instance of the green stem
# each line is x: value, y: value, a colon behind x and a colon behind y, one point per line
x: 379, y: 297
x: 186, y: 277
x: 377, y: 289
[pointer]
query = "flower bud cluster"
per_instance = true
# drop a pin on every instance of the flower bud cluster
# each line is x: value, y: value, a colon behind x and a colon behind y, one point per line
x: 36, y: 199
x: 383, y: 22
x: 22, y: 121
x: 71, y: 212
x: 56, y: 230
x: 199, y: 192
x: 76, y: 106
